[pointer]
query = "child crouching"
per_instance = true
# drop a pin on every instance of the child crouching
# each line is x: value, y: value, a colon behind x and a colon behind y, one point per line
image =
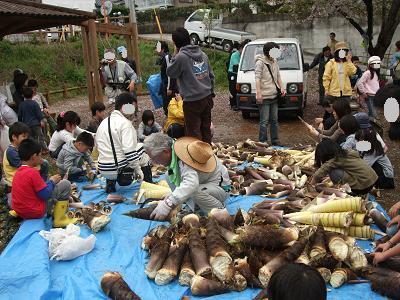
x: 31, y: 195
x: 72, y: 156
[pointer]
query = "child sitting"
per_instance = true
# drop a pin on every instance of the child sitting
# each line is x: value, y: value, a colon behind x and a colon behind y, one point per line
x: 376, y: 158
x: 343, y: 166
x: 148, y: 125
x: 11, y: 160
x: 44, y: 107
x: 98, y: 114
x: 29, y: 113
x: 175, y: 124
x: 72, y: 156
x: 31, y: 194
x: 349, y: 125
x: 67, y: 130
x: 328, y: 120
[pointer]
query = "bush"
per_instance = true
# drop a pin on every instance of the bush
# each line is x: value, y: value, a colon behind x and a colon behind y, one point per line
x: 57, y: 64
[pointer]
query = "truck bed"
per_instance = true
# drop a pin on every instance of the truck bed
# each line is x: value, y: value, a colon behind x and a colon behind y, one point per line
x: 231, y: 34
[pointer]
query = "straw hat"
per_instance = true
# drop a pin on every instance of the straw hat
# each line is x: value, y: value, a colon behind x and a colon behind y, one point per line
x: 341, y: 45
x: 195, y: 153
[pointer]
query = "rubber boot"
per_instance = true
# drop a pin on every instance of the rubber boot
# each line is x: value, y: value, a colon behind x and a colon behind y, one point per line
x: 60, y: 218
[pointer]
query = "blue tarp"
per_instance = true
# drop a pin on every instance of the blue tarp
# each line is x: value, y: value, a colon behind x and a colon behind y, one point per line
x: 27, y: 273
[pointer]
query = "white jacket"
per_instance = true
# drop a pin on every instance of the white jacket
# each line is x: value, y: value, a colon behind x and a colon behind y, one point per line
x: 125, y: 143
x: 7, y: 114
x: 191, y: 180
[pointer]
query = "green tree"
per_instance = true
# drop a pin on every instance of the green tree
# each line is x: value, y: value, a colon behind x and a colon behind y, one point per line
x: 356, y: 12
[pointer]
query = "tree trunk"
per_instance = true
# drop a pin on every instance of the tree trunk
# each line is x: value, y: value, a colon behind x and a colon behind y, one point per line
x: 387, y: 31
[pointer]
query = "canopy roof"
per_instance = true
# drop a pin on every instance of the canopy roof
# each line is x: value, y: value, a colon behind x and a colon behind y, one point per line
x: 19, y: 16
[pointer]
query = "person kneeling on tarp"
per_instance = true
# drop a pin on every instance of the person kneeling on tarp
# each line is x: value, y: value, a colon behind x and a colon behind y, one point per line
x: 196, y: 175
x: 31, y: 195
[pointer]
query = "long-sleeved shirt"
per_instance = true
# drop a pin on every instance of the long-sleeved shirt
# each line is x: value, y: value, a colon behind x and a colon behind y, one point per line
x: 321, y: 61
x: 29, y: 113
x: 71, y: 159
x: 336, y: 78
x: 175, y: 113
x: 194, y: 73
x: 191, y: 180
x: 333, y: 133
x: 61, y: 137
x: 357, y: 173
x: 145, y: 130
x: 395, y: 60
x: 368, y: 86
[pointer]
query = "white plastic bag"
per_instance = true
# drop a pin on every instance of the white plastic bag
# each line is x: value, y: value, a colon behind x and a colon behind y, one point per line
x: 4, y: 139
x: 66, y: 244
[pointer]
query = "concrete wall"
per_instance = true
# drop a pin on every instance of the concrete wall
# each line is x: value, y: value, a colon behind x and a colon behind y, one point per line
x: 313, y: 36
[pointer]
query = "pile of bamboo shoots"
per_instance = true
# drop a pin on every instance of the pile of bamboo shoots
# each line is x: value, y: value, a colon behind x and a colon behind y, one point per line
x: 94, y: 215
x: 281, y: 171
x: 348, y: 215
x: 226, y: 252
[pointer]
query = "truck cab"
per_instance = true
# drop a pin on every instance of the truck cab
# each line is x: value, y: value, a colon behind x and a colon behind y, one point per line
x: 293, y: 72
x: 205, y: 26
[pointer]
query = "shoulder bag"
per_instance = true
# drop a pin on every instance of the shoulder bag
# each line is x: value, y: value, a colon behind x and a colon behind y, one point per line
x: 126, y: 174
x: 281, y: 99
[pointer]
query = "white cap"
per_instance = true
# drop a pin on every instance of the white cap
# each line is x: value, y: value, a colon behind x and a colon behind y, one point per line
x: 374, y: 60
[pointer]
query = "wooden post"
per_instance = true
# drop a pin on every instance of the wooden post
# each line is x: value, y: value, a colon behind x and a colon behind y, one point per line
x: 86, y: 60
x: 134, y: 40
x: 94, y: 57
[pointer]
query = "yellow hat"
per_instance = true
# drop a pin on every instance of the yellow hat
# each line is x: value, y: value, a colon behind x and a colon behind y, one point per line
x: 196, y: 154
x: 341, y: 45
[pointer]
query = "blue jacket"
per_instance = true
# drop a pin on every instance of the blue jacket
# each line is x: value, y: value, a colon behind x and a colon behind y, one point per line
x: 29, y: 113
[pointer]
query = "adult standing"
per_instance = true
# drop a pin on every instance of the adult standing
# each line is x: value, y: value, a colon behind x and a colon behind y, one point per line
x: 118, y: 75
x: 232, y: 73
x: 195, y: 77
x: 197, y: 177
x: 20, y: 80
x: 168, y: 87
x: 332, y: 41
x: 268, y: 77
x: 338, y: 70
x: 126, y: 152
x: 132, y: 63
x: 321, y: 59
x: 395, y: 64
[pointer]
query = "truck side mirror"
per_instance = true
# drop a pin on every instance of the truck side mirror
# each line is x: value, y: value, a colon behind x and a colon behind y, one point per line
x: 306, y: 67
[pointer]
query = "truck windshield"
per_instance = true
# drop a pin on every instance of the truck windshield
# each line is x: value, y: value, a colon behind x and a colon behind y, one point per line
x: 289, y: 59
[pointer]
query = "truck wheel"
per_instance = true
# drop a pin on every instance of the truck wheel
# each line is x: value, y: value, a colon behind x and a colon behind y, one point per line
x: 245, y: 114
x: 194, y: 39
x: 227, y: 46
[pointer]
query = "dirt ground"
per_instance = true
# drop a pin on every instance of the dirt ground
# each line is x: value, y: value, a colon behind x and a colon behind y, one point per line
x: 230, y: 127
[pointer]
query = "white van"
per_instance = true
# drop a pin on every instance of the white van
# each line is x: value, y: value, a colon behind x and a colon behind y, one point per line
x: 293, y: 73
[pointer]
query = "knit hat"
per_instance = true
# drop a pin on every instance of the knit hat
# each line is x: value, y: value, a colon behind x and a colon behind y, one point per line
x: 196, y: 154
x: 341, y: 45
x: 363, y: 120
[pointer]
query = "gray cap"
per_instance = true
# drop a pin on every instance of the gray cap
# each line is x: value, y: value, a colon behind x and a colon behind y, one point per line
x: 363, y: 120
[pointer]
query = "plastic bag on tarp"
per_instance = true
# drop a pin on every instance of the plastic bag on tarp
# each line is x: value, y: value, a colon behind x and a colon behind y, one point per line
x: 66, y: 244
x: 153, y: 85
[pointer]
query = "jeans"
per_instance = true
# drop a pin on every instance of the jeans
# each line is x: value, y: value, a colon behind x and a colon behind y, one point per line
x: 371, y: 107
x: 232, y: 88
x: 321, y: 91
x: 268, y: 114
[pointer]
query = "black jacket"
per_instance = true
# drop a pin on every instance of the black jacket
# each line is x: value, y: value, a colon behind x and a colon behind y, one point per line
x: 164, y: 78
x: 319, y: 59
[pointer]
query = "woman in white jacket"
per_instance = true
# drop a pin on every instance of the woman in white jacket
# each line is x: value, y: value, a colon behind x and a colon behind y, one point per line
x: 125, y: 142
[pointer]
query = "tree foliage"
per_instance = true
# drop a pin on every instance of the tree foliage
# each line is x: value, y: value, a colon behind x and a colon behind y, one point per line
x: 361, y: 14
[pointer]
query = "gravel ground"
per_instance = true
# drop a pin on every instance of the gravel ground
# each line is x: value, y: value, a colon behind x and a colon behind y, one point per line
x: 231, y: 128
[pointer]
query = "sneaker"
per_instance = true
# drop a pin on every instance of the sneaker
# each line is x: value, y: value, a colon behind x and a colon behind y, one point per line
x: 110, y: 186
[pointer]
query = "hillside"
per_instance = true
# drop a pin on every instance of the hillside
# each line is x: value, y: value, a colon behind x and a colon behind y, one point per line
x: 57, y: 64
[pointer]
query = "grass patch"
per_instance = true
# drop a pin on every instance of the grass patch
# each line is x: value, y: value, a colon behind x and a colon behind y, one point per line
x: 57, y: 64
